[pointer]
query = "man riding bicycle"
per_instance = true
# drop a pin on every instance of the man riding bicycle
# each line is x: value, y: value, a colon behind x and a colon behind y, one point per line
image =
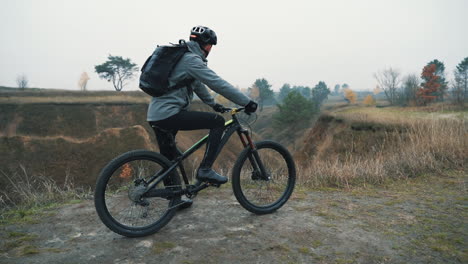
x: 129, y: 197
x: 167, y: 114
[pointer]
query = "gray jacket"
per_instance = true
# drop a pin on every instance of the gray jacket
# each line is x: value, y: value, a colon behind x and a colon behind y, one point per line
x: 192, y: 65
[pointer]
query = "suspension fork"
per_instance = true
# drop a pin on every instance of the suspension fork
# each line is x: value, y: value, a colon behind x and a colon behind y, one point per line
x: 253, y: 156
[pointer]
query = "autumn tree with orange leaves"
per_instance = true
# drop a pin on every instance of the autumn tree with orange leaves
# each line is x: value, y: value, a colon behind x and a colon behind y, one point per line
x: 430, y: 88
x: 369, y: 100
x: 350, y: 96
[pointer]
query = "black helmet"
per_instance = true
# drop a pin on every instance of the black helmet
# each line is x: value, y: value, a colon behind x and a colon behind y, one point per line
x: 203, y: 35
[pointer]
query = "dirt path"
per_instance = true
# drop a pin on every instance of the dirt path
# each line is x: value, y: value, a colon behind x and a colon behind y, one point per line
x: 417, y: 221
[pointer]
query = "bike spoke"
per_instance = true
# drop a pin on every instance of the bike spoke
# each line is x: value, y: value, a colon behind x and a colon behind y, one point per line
x: 128, y: 179
x: 255, y: 188
x: 122, y: 197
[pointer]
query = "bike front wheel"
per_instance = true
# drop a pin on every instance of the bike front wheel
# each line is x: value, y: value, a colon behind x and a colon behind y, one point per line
x: 264, y: 192
x: 118, y: 196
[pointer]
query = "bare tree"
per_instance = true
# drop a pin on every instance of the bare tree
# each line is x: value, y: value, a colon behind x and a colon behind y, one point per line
x: 22, y: 81
x: 410, y: 87
x: 83, y: 81
x: 389, y: 80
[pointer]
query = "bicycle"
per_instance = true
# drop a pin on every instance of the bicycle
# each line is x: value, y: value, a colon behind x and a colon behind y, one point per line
x: 139, y: 192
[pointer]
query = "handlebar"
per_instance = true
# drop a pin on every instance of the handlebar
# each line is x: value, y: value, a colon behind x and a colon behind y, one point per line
x: 233, y: 110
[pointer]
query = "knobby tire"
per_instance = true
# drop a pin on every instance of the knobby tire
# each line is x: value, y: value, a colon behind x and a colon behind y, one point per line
x: 115, y: 172
x: 256, y: 195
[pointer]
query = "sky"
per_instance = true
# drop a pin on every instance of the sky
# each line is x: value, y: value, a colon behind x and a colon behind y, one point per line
x: 53, y: 42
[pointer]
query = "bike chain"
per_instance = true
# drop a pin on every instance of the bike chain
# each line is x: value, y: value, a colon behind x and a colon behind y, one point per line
x: 175, y: 206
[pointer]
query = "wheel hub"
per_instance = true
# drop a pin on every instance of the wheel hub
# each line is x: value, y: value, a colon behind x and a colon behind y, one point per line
x: 257, y: 176
x: 136, y: 191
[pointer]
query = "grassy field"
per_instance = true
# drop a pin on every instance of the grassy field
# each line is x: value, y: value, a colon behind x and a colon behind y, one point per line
x: 28, y: 96
x: 355, y: 145
x: 402, y: 115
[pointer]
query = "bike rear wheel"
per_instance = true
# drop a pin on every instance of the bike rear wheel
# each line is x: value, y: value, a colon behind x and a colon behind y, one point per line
x: 253, y: 191
x: 118, y: 195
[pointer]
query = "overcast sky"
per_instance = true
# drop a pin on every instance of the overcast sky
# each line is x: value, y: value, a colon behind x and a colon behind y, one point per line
x: 298, y: 42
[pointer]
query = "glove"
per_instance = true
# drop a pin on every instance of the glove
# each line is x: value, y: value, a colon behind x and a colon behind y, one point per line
x: 251, y: 107
x: 218, y: 108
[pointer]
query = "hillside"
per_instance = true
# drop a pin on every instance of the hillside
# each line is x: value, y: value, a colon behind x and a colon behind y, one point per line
x: 54, y: 133
x: 291, y: 136
x: 375, y: 185
x: 74, y: 140
x: 355, y: 146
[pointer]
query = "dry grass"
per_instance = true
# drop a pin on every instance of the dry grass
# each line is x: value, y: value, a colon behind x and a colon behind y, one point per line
x: 401, y: 115
x: 16, y: 96
x: 24, y: 191
x: 410, y: 146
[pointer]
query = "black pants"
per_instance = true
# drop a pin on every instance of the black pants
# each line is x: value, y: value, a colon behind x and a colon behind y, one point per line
x: 167, y: 129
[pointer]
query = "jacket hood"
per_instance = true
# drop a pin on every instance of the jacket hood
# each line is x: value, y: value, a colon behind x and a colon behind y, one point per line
x: 195, y: 48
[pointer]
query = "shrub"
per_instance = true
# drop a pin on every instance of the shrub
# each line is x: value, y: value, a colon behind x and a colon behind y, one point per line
x: 369, y: 100
x: 294, y: 109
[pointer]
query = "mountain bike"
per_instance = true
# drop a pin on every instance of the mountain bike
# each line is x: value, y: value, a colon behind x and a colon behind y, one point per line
x: 139, y: 192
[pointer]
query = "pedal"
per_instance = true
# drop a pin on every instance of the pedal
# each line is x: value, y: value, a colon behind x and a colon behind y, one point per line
x: 185, y: 203
x: 217, y: 185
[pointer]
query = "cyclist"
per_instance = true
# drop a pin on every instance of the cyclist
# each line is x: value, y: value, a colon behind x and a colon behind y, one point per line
x: 167, y: 114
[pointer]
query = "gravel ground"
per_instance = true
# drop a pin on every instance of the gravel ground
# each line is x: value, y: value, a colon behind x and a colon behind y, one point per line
x: 421, y: 220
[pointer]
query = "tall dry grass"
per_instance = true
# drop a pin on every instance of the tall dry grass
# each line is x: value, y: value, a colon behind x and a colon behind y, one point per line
x: 22, y: 190
x: 414, y: 147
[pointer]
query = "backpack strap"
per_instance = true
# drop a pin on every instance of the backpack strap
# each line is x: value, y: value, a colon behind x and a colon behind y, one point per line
x: 186, y: 82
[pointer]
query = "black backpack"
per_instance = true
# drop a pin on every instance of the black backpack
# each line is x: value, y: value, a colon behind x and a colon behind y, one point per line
x: 154, y: 78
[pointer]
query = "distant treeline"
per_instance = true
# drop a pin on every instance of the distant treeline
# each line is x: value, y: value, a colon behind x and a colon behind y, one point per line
x: 430, y: 86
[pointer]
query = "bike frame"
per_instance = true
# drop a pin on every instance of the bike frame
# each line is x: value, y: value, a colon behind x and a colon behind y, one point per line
x: 230, y: 127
